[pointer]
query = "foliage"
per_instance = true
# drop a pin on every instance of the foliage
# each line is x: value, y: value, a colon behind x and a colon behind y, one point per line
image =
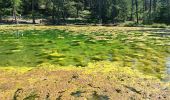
x: 91, y: 11
x: 158, y: 25
x: 130, y: 24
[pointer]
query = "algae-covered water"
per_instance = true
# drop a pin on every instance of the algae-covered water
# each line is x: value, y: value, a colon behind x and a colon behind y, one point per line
x: 138, y: 50
x: 30, y: 48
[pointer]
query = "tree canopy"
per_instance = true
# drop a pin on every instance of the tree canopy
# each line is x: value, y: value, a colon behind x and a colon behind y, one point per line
x: 91, y: 11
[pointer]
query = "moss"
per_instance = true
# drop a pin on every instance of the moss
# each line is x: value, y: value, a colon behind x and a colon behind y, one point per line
x: 56, y: 55
x: 105, y: 67
x: 15, y: 69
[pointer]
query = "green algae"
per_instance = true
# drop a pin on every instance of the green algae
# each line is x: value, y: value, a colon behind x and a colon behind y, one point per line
x: 136, y: 49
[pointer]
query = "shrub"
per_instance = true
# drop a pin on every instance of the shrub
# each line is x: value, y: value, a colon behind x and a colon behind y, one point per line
x: 130, y: 24
x: 158, y: 26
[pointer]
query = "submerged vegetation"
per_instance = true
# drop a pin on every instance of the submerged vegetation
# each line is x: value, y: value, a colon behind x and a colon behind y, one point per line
x: 145, y: 51
x: 84, y: 61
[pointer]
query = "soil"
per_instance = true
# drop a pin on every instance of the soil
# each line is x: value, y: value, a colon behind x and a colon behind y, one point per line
x: 43, y: 84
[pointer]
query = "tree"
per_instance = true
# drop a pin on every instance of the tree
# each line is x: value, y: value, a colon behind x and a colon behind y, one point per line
x: 114, y: 12
x: 154, y: 5
x: 15, y: 6
x: 122, y: 10
x: 78, y: 6
x: 33, y: 11
x: 97, y: 11
x: 163, y: 14
x: 132, y: 10
x: 1, y: 7
x: 53, y: 11
x: 150, y: 11
x: 137, y: 16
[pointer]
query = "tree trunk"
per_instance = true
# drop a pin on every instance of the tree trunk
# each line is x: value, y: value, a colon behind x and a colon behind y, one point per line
x: 77, y: 13
x: 168, y: 20
x: 145, y: 5
x: 132, y: 8
x: 145, y: 8
x: 137, y: 17
x: 114, y: 12
x: 58, y: 15
x: 100, y: 11
x: 63, y: 12
x: 33, y: 12
x: 154, y: 5
x: 150, y: 7
x: 150, y: 12
x: 64, y: 17
x: 0, y: 18
x: 168, y: 6
x: 15, y: 15
x: 53, y: 14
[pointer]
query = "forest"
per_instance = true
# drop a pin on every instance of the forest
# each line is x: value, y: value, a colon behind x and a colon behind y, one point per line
x: 86, y: 11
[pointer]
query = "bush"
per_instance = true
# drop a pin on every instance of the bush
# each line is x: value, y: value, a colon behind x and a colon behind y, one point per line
x: 130, y: 24
x: 158, y: 26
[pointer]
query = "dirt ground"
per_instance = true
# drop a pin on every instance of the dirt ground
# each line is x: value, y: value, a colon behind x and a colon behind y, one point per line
x: 80, y: 84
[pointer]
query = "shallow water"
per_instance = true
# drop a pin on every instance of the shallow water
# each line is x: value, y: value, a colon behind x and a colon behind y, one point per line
x: 30, y: 48
x: 168, y: 65
x: 168, y: 69
x: 33, y: 47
